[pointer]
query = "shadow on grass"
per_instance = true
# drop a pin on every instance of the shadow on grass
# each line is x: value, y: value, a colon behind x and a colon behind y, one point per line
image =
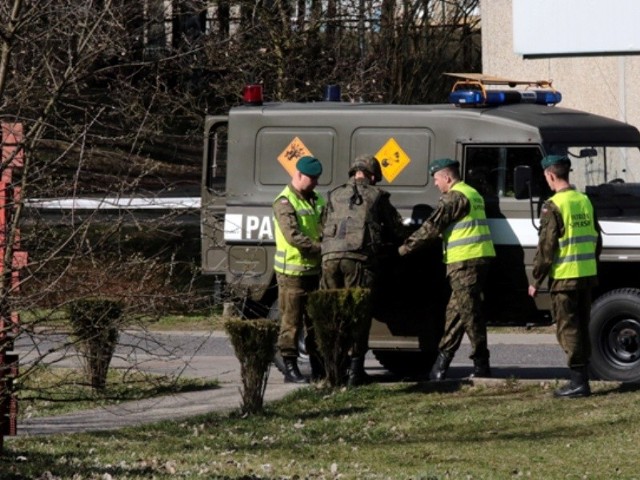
x: 445, y: 386
x: 27, y: 465
x: 616, y: 388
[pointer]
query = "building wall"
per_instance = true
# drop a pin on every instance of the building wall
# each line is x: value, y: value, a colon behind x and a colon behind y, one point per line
x: 605, y: 85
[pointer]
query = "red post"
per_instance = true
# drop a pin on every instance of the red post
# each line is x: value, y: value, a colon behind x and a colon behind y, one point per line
x: 12, y: 158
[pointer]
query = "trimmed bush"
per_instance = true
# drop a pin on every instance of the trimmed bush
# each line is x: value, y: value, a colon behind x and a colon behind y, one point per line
x: 254, y: 344
x: 95, y: 328
x: 334, y: 314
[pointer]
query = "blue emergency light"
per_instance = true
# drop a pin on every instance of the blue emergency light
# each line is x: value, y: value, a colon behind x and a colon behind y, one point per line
x: 331, y: 93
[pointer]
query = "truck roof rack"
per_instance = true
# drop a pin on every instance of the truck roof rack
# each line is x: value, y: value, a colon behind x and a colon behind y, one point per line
x: 470, y: 90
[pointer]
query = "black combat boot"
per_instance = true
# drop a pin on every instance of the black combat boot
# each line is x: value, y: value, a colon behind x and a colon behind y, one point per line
x: 481, y: 368
x: 318, y: 371
x: 440, y: 367
x: 357, y: 375
x: 577, y: 386
x: 292, y: 372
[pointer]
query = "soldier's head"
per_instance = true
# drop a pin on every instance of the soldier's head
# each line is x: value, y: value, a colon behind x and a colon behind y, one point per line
x: 369, y: 166
x: 308, y: 170
x: 556, y: 170
x: 445, y: 173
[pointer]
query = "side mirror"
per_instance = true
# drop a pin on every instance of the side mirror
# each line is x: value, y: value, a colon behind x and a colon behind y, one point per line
x: 522, y: 182
x: 588, y: 152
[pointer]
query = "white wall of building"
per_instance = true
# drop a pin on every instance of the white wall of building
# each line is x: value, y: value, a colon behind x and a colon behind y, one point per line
x: 606, y: 85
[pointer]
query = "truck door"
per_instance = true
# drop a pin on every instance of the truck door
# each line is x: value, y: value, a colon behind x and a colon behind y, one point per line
x: 213, y: 186
x: 489, y: 169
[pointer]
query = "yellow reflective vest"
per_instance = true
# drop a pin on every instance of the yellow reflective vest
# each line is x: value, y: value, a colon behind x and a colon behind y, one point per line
x: 289, y: 260
x: 577, y: 247
x: 469, y: 237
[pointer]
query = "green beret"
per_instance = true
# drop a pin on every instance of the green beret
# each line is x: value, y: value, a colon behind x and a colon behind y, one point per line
x: 309, y: 166
x: 441, y: 163
x: 554, y: 160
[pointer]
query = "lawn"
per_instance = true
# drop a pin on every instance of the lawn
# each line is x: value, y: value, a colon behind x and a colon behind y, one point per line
x: 397, y: 431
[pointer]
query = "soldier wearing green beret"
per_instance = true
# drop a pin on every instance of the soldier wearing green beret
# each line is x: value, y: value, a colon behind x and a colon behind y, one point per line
x: 569, y: 246
x: 297, y: 212
x: 360, y: 223
x: 460, y: 220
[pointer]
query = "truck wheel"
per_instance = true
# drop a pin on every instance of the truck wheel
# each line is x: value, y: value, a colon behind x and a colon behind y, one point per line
x: 615, y: 336
x: 405, y: 363
x: 303, y: 358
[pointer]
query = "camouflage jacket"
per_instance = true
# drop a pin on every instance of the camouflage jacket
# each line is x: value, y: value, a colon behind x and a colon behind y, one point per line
x: 551, y: 229
x: 452, y: 206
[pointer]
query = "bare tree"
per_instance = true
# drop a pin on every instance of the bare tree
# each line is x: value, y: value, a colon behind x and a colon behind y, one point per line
x: 109, y: 111
x: 112, y: 94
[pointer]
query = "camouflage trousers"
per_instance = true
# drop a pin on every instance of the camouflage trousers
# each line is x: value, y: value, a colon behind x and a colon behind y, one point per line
x: 293, y: 292
x: 464, y: 313
x: 571, y: 310
x: 350, y: 273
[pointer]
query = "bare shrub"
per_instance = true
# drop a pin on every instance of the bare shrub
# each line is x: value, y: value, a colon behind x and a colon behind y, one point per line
x: 95, y: 325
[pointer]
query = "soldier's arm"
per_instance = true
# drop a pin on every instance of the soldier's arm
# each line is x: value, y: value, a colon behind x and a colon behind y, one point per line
x: 451, y: 207
x: 551, y: 228
x: 596, y: 224
x: 392, y: 221
x: 287, y: 219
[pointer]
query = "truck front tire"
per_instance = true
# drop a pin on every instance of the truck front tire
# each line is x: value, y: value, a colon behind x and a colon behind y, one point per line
x: 615, y: 336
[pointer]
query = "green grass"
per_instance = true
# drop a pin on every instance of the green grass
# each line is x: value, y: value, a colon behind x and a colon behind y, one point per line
x: 187, y: 323
x: 53, y: 391
x: 207, y: 322
x: 399, y: 431
x: 58, y: 320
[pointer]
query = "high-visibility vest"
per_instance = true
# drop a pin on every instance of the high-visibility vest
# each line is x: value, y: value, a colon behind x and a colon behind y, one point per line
x: 469, y: 237
x: 576, y: 255
x: 288, y: 259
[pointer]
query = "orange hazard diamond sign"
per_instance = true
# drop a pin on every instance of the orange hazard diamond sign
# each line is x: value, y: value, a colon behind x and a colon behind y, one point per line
x: 392, y: 159
x: 290, y: 155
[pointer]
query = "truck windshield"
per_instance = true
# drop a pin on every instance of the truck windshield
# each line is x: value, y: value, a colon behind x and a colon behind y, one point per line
x: 592, y: 166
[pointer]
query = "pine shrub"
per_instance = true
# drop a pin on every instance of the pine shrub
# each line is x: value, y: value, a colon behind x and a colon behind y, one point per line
x: 254, y: 344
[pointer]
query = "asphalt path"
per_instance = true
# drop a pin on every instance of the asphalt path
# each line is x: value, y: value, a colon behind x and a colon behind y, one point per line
x: 529, y: 357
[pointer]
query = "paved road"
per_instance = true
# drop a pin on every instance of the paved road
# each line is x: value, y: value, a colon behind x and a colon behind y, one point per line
x: 209, y: 355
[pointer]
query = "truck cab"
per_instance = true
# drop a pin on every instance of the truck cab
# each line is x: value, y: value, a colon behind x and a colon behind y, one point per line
x: 249, y: 155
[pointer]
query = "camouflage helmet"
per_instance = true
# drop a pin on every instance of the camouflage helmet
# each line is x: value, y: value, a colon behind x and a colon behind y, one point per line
x: 368, y: 164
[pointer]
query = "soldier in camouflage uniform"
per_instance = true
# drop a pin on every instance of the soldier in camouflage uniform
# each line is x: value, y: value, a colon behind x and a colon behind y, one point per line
x: 298, y: 212
x: 359, y: 223
x: 569, y: 245
x: 460, y: 221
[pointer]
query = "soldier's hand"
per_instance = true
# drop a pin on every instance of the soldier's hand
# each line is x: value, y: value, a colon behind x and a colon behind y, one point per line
x: 402, y: 250
x: 532, y: 291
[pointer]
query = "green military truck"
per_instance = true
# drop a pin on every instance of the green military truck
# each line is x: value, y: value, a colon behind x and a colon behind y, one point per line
x: 496, y: 135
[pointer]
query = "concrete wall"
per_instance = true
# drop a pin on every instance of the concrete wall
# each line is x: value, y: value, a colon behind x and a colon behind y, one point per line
x: 606, y: 85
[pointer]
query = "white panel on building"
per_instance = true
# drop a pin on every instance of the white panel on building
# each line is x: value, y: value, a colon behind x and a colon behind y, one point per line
x: 546, y: 28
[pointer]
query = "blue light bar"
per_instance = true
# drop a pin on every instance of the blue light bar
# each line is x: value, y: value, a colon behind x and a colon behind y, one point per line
x: 504, y: 97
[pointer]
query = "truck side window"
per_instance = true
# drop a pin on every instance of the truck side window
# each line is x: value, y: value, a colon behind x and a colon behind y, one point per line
x: 489, y: 168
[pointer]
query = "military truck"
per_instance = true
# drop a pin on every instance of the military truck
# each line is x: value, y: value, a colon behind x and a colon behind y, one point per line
x: 499, y: 137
